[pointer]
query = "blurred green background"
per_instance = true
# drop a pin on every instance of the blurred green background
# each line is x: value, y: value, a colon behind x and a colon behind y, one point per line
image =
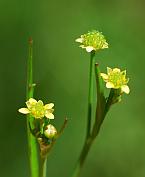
x: 61, y: 74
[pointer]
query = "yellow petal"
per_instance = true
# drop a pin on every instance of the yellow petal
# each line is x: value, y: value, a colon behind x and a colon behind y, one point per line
x: 109, y: 85
x: 24, y: 110
x: 31, y: 102
x: 116, y: 70
x: 40, y: 103
x: 79, y: 40
x: 105, y: 45
x: 104, y: 76
x: 89, y: 48
x: 82, y: 46
x: 123, y: 72
x: 109, y: 70
x: 49, y: 106
x: 49, y: 115
x: 125, y: 89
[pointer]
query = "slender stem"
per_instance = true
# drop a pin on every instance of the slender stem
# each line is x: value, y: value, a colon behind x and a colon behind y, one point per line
x: 89, y: 139
x: 100, y: 102
x: 90, y: 95
x: 43, y: 166
x: 100, y: 96
x: 32, y: 145
x: 83, y: 155
x: 109, y: 102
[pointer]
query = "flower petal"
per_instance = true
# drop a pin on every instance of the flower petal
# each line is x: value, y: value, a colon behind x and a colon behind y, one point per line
x: 24, y: 110
x: 116, y: 70
x: 40, y: 103
x: 79, y: 40
x: 82, y: 46
x: 31, y: 102
x: 123, y: 72
x: 109, y: 70
x: 109, y: 85
x: 89, y: 48
x: 125, y: 89
x: 105, y: 45
x: 49, y: 106
x: 49, y: 115
x: 104, y: 76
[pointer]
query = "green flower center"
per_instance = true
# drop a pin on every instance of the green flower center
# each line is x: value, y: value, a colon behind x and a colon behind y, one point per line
x: 38, y: 110
x: 94, y: 39
x: 118, y: 79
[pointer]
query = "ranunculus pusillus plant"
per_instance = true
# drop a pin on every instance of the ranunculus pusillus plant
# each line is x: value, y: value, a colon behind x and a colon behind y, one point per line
x: 39, y: 129
x: 115, y: 80
x: 39, y: 115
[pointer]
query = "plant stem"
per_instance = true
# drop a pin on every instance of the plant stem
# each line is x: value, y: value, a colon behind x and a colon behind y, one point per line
x: 43, y: 166
x: 100, y: 103
x: 89, y: 139
x: 32, y: 144
x: 90, y: 95
x: 84, y: 153
x: 109, y: 102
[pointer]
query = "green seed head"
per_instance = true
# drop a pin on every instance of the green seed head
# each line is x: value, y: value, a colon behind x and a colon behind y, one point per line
x: 93, y: 40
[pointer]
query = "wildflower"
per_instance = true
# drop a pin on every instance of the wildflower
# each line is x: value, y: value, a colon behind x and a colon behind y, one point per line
x: 116, y: 79
x: 50, y: 131
x: 38, y: 109
x: 93, y: 40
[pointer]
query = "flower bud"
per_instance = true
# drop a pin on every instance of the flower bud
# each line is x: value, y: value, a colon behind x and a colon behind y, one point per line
x: 50, y: 131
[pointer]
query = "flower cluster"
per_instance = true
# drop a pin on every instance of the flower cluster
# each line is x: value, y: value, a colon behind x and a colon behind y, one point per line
x: 42, y: 113
x: 92, y: 41
x: 37, y: 109
x: 116, y: 79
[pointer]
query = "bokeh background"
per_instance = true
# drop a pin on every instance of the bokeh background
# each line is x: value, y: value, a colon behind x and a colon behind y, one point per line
x: 61, y: 75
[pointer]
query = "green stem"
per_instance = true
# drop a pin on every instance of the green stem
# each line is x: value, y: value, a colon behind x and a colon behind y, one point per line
x: 32, y: 144
x: 84, y: 153
x: 109, y: 102
x: 100, y: 96
x: 100, y: 103
x: 43, y: 167
x: 90, y: 95
x: 89, y: 139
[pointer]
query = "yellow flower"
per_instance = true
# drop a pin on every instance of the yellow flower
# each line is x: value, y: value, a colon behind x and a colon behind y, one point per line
x: 116, y: 79
x: 38, y: 109
x: 93, y: 40
x: 50, y: 131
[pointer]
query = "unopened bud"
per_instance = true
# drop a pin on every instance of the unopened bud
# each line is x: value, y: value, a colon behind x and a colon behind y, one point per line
x: 50, y: 131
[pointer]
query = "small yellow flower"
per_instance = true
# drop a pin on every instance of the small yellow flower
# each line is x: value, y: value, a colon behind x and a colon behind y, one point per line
x: 50, y: 131
x: 116, y: 79
x: 93, y: 40
x: 38, y: 109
